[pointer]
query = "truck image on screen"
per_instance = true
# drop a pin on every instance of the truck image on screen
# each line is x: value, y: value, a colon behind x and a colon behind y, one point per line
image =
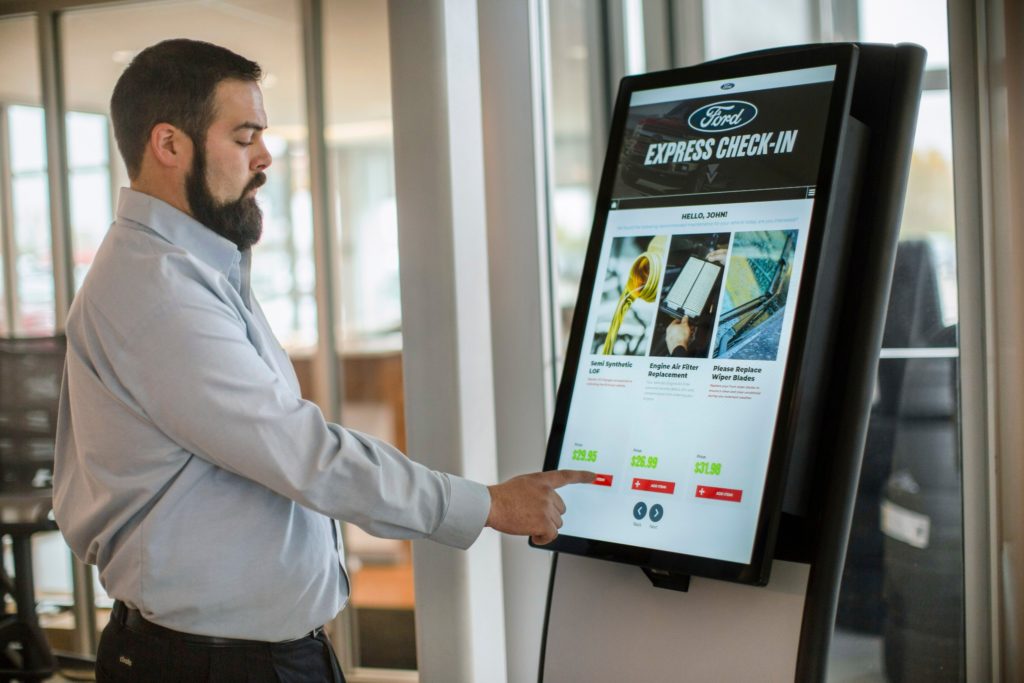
x: 651, y: 130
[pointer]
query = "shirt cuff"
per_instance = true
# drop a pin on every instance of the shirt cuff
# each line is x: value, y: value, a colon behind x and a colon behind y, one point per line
x: 469, y: 505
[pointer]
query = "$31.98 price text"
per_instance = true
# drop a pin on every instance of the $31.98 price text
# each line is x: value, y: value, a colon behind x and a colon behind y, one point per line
x: 704, y: 467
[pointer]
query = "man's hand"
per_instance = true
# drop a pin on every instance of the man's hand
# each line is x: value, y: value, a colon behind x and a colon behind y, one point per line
x: 529, y: 506
x: 678, y: 333
x: 717, y: 256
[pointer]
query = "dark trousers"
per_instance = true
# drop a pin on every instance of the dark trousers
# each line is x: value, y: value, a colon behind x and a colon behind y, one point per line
x: 128, y: 653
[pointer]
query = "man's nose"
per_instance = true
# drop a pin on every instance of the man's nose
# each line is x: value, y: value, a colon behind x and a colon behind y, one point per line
x: 263, y: 159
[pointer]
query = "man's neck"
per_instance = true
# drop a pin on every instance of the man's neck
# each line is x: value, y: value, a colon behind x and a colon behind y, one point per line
x: 173, y: 196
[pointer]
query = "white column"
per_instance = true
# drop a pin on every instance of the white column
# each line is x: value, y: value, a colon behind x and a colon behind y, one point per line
x: 446, y: 321
x: 511, y: 50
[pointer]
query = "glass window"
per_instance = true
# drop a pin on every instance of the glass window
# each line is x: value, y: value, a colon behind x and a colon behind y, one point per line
x: 735, y: 26
x: 89, y: 186
x: 928, y: 212
x: 910, y: 21
x: 5, y: 323
x: 26, y: 274
x: 283, y: 270
x: 361, y: 175
x: 574, y: 166
x: 32, y: 261
x: 93, y: 60
x: 901, y: 608
x: 360, y: 166
x: 269, y: 33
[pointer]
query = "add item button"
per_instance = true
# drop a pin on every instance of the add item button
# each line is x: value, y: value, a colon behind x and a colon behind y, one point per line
x: 716, y: 493
x: 654, y: 485
x: 602, y: 480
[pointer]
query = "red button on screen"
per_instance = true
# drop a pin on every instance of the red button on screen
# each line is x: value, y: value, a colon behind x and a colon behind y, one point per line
x: 603, y: 480
x: 654, y: 485
x: 715, y: 493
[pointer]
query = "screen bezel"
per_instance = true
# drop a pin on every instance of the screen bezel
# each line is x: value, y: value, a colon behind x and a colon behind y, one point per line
x: 843, y: 57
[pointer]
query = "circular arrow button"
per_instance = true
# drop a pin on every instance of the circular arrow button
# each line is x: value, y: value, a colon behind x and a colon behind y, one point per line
x: 657, y: 512
x: 640, y: 510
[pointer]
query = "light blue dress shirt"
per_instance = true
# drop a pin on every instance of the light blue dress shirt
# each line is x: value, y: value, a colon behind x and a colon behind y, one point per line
x: 188, y: 467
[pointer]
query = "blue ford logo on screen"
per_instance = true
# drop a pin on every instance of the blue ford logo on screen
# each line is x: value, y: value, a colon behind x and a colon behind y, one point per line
x: 722, y: 116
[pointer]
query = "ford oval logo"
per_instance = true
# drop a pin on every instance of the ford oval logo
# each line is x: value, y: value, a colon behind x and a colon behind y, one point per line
x: 728, y: 86
x: 722, y: 116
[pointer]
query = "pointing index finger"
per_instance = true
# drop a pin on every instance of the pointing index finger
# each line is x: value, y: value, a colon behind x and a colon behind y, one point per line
x: 561, y: 478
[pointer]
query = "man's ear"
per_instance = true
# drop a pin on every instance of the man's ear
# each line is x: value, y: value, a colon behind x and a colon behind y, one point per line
x: 170, y: 147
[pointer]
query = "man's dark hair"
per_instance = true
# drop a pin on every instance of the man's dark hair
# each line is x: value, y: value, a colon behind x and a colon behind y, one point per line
x: 171, y: 82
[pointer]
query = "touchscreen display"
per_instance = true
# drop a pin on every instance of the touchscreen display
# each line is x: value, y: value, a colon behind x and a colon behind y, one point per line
x: 680, y: 371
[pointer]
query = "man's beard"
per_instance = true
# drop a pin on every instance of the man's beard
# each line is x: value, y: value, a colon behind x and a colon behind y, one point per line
x: 240, y: 221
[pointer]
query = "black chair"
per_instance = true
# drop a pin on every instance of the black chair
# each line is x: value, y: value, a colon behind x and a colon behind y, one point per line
x: 31, y: 371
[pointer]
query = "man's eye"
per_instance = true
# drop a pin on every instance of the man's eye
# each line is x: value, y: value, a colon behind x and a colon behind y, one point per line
x: 244, y: 143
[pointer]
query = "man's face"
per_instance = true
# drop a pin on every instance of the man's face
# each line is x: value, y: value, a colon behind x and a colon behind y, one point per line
x: 227, y: 168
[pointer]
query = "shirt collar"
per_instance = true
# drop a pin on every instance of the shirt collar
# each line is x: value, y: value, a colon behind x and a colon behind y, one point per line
x: 179, y: 229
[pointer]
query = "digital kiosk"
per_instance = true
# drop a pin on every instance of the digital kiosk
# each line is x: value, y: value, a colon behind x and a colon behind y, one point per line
x: 721, y: 363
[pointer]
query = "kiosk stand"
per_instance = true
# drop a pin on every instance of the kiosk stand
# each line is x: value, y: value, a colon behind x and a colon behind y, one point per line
x: 610, y: 621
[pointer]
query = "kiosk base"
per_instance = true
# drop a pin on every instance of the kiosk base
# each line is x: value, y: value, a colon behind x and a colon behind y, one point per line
x: 666, y: 578
x: 606, y: 624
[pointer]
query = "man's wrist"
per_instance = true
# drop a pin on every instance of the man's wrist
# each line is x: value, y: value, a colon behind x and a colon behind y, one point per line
x: 469, y: 508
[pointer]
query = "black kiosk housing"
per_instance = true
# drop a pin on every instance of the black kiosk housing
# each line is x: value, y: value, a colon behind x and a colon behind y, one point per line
x: 829, y: 403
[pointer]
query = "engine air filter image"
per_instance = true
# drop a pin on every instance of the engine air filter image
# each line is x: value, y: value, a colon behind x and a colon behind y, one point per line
x: 689, y: 295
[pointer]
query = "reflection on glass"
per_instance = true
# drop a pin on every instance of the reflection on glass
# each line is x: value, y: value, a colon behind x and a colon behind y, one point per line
x: 901, y: 602
x: 900, y: 615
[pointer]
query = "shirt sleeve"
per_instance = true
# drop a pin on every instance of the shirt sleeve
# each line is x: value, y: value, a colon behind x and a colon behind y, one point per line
x: 193, y: 370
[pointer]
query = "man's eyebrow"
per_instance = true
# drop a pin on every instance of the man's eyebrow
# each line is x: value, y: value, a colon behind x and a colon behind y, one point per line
x: 249, y: 125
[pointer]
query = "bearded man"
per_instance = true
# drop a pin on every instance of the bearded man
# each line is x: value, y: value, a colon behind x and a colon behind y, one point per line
x: 189, y: 469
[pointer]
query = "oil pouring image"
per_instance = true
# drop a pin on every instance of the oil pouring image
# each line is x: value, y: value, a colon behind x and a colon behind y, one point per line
x: 756, y: 290
x: 630, y: 289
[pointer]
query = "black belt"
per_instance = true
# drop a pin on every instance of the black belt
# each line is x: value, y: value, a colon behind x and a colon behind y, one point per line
x: 133, y: 619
